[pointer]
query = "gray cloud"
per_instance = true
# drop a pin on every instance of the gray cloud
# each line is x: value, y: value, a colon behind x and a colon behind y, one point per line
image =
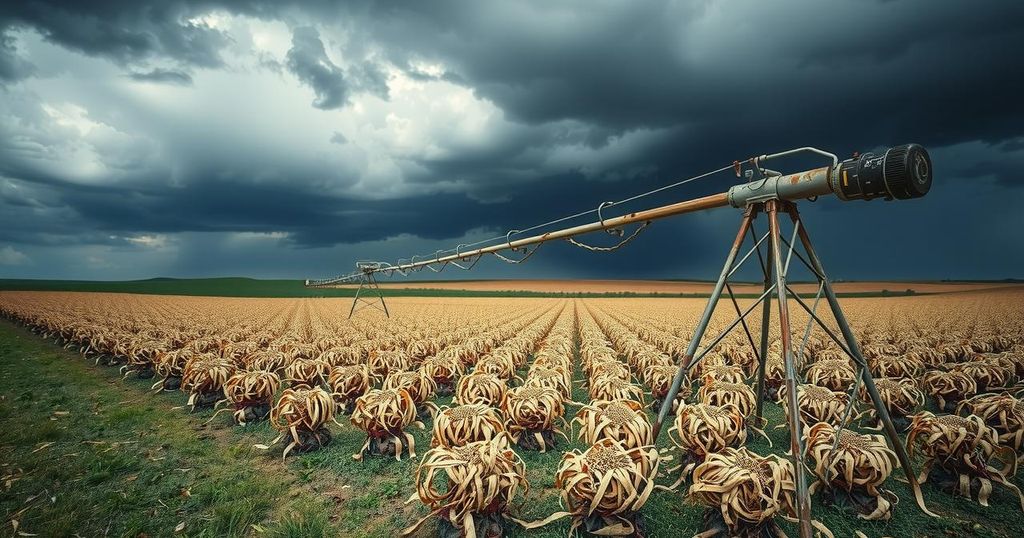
x: 168, y: 76
x: 123, y: 31
x: 12, y: 66
x: 537, y: 110
x: 308, y: 61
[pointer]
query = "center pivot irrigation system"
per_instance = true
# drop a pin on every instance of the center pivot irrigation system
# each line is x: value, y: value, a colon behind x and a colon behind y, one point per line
x: 900, y: 173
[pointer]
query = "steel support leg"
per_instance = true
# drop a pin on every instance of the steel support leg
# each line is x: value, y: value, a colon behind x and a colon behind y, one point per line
x: 762, y: 357
x: 803, y: 499
x: 370, y: 283
x: 702, y: 326
x: 380, y: 295
x: 869, y: 383
x: 355, y: 300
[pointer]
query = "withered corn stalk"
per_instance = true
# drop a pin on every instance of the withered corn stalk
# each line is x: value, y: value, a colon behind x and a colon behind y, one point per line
x: 533, y: 414
x: 900, y: 395
x: 858, y: 466
x: 1002, y: 412
x: 604, y: 487
x: 988, y: 375
x: 817, y: 404
x: 251, y: 394
x: 469, y: 484
x: 747, y: 490
x: 302, y: 414
x: 720, y: 393
x: 443, y: 370
x: 833, y: 374
x: 203, y: 378
x: 421, y: 388
x: 465, y: 424
x: 482, y: 388
x: 613, y: 388
x: 384, y: 415
x: 306, y: 373
x: 169, y: 366
x: 948, y: 388
x: 383, y: 362
x: 621, y: 420
x: 963, y: 448
x: 703, y: 429
x: 659, y: 380
x: 348, y: 383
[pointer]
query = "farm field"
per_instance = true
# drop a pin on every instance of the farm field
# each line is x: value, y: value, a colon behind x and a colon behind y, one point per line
x: 108, y: 401
x: 252, y: 287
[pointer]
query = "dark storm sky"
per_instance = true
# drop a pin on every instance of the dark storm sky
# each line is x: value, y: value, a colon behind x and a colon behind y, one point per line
x: 277, y: 139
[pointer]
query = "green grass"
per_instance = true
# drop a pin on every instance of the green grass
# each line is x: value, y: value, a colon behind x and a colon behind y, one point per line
x: 251, y: 287
x: 124, y: 462
x: 83, y: 452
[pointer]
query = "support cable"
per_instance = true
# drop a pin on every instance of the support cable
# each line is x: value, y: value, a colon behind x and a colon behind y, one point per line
x: 617, y: 246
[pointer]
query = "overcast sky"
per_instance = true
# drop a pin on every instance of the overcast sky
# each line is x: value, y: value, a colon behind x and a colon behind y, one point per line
x: 270, y: 139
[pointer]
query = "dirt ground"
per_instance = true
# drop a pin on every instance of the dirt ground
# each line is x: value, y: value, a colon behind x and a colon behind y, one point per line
x: 666, y: 286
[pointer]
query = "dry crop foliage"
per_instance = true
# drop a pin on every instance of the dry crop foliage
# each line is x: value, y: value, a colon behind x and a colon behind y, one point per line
x: 512, y: 366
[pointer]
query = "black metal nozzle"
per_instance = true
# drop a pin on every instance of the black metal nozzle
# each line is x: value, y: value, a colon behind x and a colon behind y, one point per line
x: 902, y: 172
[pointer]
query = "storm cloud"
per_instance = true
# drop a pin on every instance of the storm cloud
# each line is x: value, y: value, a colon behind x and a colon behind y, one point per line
x: 289, y: 139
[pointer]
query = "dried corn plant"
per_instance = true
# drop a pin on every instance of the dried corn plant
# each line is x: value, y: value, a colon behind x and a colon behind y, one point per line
x: 464, y: 424
x: 900, y: 395
x: 710, y: 360
x: 817, y: 404
x: 480, y: 388
x: 723, y: 373
x: 1012, y: 362
x: 306, y: 373
x: 419, y: 385
x: 659, y: 380
x: 341, y: 356
x: 613, y: 388
x: 444, y: 371
x: 170, y: 366
x: 896, y: 366
x: 1002, y: 412
x: 203, y: 378
x: 987, y: 375
x: 608, y: 369
x: 738, y: 395
x: 348, y: 383
x: 558, y: 378
x: 858, y: 466
x: 929, y: 356
x: 383, y: 362
x: 499, y: 366
x: 702, y: 429
x: 963, y: 448
x: 604, y: 487
x: 833, y: 374
x: 302, y: 414
x: 620, y: 420
x: 948, y: 388
x: 533, y: 415
x: 746, y: 489
x: 384, y: 415
x: 270, y: 361
x: 469, y: 486
x: 251, y: 394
